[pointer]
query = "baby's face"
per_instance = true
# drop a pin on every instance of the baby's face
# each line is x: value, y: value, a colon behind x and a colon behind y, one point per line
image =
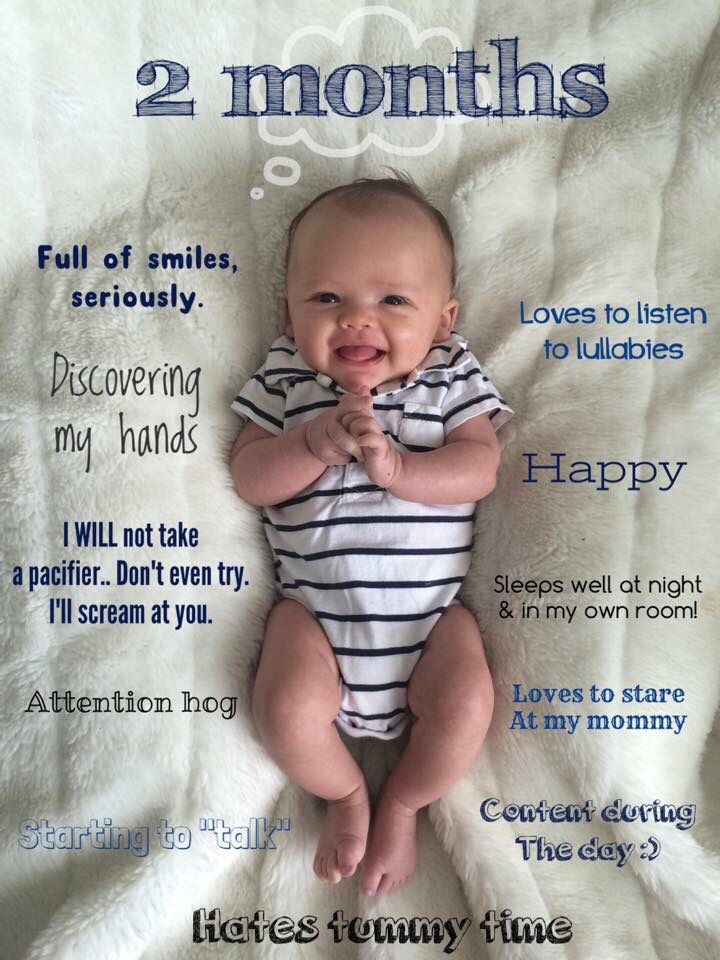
x: 368, y: 293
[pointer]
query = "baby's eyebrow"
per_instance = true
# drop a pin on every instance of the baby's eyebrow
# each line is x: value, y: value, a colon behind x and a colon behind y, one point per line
x: 393, y: 285
x: 387, y: 286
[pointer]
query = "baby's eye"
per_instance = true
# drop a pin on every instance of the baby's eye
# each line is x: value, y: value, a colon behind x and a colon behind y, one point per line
x: 326, y: 297
x: 394, y: 300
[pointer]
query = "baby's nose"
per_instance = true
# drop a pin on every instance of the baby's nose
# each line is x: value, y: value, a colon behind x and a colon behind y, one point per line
x: 356, y: 317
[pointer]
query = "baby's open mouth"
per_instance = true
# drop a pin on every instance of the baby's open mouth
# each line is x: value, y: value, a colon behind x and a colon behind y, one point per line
x: 360, y: 353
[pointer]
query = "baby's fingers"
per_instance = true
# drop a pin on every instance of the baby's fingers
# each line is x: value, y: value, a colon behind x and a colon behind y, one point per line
x: 351, y: 401
x: 359, y: 422
x: 372, y: 441
x: 344, y: 441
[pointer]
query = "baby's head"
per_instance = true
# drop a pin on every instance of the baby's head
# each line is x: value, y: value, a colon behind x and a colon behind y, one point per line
x: 370, y: 274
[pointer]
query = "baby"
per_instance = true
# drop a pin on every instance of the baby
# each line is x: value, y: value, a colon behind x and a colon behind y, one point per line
x: 370, y: 435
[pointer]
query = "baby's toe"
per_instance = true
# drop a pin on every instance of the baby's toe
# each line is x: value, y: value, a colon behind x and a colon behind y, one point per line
x: 347, y: 858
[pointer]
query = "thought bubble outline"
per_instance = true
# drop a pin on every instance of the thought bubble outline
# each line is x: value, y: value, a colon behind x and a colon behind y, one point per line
x: 417, y: 38
x: 272, y: 177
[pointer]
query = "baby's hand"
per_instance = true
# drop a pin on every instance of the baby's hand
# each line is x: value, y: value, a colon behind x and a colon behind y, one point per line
x: 382, y: 461
x: 327, y: 438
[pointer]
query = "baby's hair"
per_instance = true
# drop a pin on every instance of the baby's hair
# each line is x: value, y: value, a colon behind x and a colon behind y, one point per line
x: 365, y: 190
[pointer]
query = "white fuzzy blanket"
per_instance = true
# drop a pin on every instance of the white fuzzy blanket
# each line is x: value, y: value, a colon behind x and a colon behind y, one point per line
x: 615, y: 209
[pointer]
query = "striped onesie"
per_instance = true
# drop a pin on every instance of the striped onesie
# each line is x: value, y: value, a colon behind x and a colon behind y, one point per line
x: 376, y: 571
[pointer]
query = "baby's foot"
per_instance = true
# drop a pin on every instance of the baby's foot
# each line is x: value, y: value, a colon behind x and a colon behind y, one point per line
x: 391, y: 856
x: 342, y: 842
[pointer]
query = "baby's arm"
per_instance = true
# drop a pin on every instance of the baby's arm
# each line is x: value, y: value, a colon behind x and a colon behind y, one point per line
x: 461, y: 471
x: 267, y: 469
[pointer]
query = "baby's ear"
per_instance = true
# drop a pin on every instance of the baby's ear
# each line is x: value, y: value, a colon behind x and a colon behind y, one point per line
x: 447, y: 319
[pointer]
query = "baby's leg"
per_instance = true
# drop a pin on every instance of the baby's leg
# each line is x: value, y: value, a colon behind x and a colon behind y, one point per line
x: 451, y: 696
x: 295, y: 702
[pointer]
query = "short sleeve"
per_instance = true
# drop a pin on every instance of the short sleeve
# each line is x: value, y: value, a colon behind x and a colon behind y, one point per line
x: 471, y: 393
x: 262, y: 402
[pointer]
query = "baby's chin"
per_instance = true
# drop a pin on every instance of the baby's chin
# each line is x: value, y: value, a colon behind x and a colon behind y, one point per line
x: 358, y: 382
x: 356, y: 379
